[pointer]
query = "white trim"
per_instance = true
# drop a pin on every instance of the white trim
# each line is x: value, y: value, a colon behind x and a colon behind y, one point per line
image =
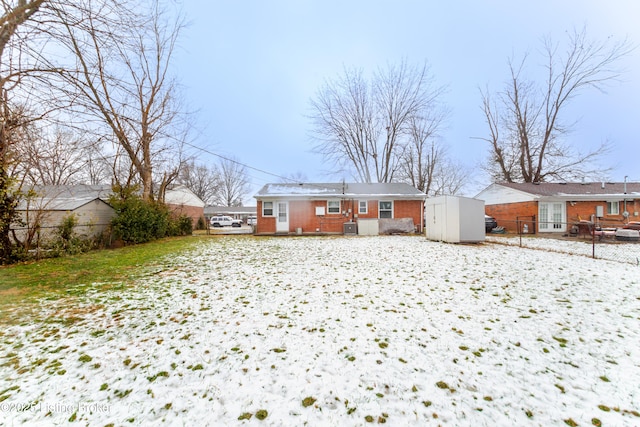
x: 550, y: 223
x: 385, y: 201
x: 329, y: 207
x: 272, y: 208
x: 366, y: 207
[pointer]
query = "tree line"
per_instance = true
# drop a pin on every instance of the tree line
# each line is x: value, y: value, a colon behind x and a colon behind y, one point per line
x: 88, y: 94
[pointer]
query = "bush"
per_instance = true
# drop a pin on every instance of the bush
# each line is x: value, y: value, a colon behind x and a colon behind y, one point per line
x: 183, y: 226
x: 138, y: 221
x: 67, y: 240
x: 201, y: 224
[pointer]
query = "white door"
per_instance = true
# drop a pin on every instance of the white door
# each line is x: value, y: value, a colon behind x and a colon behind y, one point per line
x: 552, y: 217
x: 282, y: 217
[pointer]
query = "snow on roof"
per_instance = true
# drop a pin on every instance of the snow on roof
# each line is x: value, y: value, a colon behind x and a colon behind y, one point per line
x: 317, y: 190
x: 64, y: 197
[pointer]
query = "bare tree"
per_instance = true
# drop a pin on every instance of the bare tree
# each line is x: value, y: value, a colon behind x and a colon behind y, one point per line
x: 205, y: 182
x: 297, y: 177
x: 364, y: 126
x: 57, y: 159
x: 15, y: 15
x: 526, y: 130
x: 234, y: 183
x: 123, y: 79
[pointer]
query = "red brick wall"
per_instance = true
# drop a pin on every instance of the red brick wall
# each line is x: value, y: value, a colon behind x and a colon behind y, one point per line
x: 193, y: 212
x: 302, y: 214
x: 265, y: 224
x: 506, y: 214
x: 584, y: 211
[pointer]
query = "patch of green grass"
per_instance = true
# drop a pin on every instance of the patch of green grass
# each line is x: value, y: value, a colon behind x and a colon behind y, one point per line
x: 53, y: 278
x: 308, y: 401
x: 85, y: 358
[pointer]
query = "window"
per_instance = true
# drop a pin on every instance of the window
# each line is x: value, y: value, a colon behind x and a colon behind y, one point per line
x: 362, y: 206
x: 613, y: 208
x: 267, y: 208
x: 333, y: 206
x: 385, y: 209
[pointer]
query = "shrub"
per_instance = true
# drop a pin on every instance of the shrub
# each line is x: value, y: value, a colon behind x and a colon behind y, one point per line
x: 138, y: 221
x: 201, y: 224
x: 67, y: 240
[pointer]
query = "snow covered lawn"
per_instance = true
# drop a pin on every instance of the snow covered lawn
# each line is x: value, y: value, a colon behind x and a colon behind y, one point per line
x: 336, y: 331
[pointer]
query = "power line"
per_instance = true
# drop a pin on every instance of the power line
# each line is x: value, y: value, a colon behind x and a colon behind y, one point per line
x: 239, y: 163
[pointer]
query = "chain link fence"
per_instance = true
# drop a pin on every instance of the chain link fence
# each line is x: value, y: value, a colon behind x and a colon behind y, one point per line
x: 595, y: 240
x: 39, y: 241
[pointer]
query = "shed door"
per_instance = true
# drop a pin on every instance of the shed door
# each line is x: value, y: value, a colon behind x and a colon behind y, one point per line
x: 282, y: 217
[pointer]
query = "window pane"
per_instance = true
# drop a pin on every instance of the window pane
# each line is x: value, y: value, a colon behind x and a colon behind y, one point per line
x: 267, y: 209
x: 362, y: 207
x: 333, y: 206
x: 385, y: 209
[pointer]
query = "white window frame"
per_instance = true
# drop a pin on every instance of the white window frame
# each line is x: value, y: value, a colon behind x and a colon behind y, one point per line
x: 613, y: 208
x: 360, y: 206
x: 380, y: 210
x: 264, y: 208
x: 331, y: 208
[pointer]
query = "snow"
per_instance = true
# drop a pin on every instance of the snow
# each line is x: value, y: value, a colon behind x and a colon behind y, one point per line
x: 394, y: 329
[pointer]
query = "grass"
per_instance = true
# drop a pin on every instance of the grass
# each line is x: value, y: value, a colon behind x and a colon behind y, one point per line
x: 58, y: 276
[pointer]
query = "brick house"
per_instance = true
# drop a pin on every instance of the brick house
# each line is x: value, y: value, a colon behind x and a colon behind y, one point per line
x: 182, y: 201
x: 556, y: 207
x: 325, y: 208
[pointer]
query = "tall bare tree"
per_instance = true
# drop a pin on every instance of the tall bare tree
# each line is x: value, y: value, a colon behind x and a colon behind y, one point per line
x: 364, y: 126
x: 204, y: 181
x: 234, y: 183
x: 14, y: 16
x: 122, y: 78
x: 527, y: 134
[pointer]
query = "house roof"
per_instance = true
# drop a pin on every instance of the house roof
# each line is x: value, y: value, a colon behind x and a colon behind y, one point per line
x: 551, y: 189
x: 181, y: 195
x: 64, y: 197
x: 340, y: 190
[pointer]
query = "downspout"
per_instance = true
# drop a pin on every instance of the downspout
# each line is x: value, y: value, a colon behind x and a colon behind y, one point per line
x: 625, y: 214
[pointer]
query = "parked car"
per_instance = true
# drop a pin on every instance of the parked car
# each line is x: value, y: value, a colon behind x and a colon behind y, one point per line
x: 225, y: 221
x: 252, y: 220
x: 489, y: 223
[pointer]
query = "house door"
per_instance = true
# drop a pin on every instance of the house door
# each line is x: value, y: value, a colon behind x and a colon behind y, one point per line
x: 552, y: 217
x: 282, y: 217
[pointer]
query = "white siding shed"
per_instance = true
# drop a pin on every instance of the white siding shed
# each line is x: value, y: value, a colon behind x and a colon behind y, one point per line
x: 454, y: 219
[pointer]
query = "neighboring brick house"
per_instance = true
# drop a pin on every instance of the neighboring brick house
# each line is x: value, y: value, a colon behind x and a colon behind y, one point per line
x: 556, y: 207
x: 325, y: 208
x: 182, y: 201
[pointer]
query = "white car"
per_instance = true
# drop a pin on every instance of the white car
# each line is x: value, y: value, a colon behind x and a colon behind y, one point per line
x: 252, y: 220
x: 225, y: 221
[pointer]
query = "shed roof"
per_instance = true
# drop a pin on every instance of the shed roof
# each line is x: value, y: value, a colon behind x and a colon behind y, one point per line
x: 64, y: 197
x: 345, y: 190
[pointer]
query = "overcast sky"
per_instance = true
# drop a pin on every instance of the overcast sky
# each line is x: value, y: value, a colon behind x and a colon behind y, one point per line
x: 251, y: 68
